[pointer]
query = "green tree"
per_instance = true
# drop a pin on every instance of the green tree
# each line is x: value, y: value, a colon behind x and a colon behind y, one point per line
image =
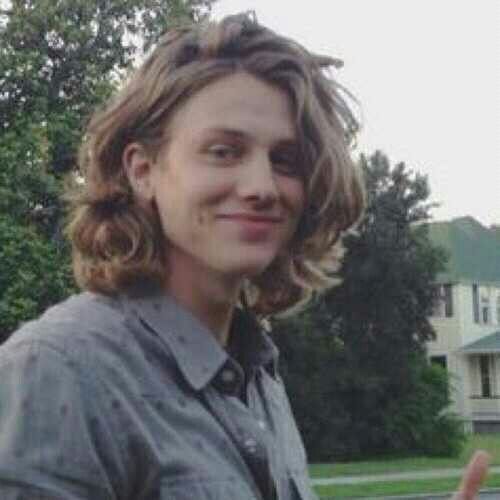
x: 58, y: 61
x: 354, y: 358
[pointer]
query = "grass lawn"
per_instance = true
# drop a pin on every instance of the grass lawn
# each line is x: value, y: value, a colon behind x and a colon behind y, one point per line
x: 490, y: 443
x: 384, y: 490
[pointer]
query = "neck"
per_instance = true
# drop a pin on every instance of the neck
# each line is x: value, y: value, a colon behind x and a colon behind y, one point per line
x: 206, y: 294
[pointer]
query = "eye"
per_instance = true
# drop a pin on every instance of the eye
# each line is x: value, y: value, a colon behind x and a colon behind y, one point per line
x: 286, y: 163
x: 224, y: 152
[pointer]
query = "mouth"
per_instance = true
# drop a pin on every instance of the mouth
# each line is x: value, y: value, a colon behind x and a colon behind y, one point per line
x: 256, y: 218
x: 253, y: 228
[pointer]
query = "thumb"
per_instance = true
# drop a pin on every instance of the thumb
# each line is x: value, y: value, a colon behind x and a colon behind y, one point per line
x: 474, y: 475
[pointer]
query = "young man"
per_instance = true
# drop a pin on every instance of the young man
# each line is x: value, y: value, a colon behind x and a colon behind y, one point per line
x: 218, y: 183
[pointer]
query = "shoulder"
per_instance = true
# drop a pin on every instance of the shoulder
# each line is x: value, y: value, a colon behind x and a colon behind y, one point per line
x: 74, y: 349
x: 52, y: 400
x: 84, y: 335
x: 79, y: 320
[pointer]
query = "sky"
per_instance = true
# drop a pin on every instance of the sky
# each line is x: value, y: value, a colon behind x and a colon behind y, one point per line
x: 427, y: 75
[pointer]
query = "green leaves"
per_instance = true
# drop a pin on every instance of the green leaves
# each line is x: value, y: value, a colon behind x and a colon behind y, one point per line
x: 417, y: 421
x: 33, y: 274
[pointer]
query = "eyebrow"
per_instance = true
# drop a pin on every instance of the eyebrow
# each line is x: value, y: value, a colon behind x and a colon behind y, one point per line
x: 241, y: 135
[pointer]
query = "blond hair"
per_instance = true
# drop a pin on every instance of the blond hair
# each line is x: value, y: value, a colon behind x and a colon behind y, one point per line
x: 117, y: 246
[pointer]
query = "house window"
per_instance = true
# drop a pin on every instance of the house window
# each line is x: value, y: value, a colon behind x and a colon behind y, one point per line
x: 448, y: 301
x: 485, y: 375
x: 481, y: 307
x: 439, y: 360
x: 498, y: 309
x: 485, y: 308
x: 443, y: 305
x: 475, y: 302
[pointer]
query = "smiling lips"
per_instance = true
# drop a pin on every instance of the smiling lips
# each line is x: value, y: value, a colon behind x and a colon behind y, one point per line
x: 253, y: 227
x: 258, y: 218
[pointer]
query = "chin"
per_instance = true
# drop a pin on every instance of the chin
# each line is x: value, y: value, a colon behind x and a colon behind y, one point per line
x: 250, y: 268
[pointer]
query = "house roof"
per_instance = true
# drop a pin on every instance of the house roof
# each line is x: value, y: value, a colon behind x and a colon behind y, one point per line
x: 496, y: 229
x: 474, y: 250
x: 488, y: 344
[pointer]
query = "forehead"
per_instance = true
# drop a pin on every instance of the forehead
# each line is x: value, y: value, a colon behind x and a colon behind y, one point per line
x: 240, y: 102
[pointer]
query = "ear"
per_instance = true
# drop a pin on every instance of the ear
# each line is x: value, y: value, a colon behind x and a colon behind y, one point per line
x: 138, y: 167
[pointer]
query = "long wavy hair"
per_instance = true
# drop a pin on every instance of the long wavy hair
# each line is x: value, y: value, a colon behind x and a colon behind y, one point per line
x: 119, y: 247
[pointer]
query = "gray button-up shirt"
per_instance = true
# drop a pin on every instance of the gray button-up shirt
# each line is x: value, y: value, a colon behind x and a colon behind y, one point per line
x: 133, y: 399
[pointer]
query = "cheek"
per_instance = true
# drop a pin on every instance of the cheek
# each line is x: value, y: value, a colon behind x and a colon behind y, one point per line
x: 294, y: 194
x: 212, y: 186
x: 201, y: 198
x: 207, y: 194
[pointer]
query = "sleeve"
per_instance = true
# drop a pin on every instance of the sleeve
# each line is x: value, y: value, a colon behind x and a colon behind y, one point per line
x: 48, y: 440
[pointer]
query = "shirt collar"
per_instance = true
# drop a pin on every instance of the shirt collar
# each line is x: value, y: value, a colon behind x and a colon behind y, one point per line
x: 257, y: 347
x: 196, y: 351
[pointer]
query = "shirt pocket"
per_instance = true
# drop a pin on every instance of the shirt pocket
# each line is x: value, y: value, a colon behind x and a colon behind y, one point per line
x: 203, y: 488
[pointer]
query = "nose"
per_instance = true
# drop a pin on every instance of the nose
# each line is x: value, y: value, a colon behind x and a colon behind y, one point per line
x: 257, y: 183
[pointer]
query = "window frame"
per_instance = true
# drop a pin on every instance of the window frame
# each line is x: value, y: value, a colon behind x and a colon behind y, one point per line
x: 485, y: 376
x: 443, y: 305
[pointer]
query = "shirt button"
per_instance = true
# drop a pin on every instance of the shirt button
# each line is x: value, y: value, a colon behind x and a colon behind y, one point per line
x: 250, y: 445
x: 261, y: 424
x: 228, y: 376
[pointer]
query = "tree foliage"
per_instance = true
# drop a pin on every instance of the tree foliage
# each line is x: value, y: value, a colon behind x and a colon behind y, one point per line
x: 355, y: 360
x: 58, y: 61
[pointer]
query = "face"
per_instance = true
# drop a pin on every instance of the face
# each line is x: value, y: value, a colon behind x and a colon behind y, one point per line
x: 227, y: 185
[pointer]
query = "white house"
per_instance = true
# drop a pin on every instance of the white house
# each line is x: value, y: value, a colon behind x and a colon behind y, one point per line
x: 467, y: 319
